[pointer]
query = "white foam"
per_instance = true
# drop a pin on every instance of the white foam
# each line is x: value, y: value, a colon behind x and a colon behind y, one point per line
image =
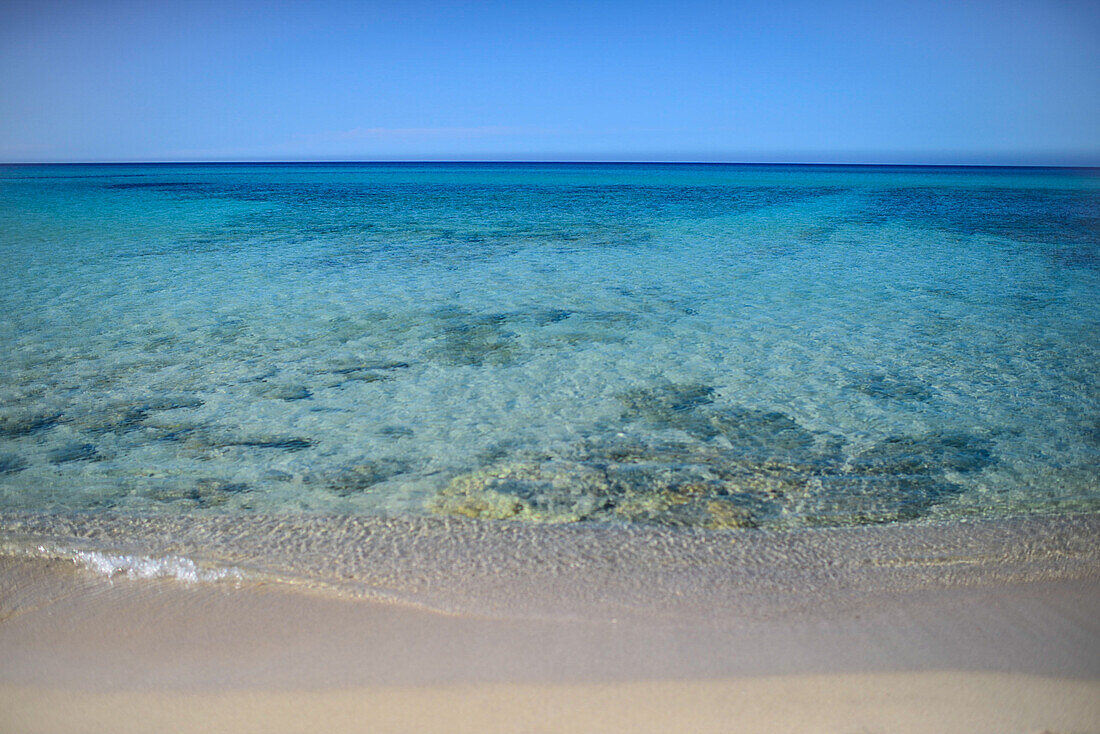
x: 147, y: 567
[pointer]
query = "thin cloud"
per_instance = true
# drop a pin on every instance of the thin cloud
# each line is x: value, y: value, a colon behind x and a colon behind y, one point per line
x: 418, y: 133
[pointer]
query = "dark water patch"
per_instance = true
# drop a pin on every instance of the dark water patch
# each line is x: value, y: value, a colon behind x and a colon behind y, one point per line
x: 908, y: 455
x: 170, y: 402
x: 899, y: 478
x: 364, y: 377
x: 169, y: 186
x: 569, y: 339
x: 284, y: 443
x: 178, y: 432
x: 15, y: 424
x: 761, y: 435
x: 203, y: 438
x: 1031, y: 302
x: 454, y: 336
x: 74, y: 451
x: 357, y: 370
x: 203, y: 493
x: 752, y: 435
x: 348, y: 367
x: 396, y: 432
x: 19, y: 395
x: 885, y: 386
x: 817, y: 235
x: 544, y: 317
x: 1078, y: 256
x: 371, y: 224
x: 228, y: 331
x: 665, y: 404
x: 128, y: 416
x: 618, y: 319
x: 220, y: 485
x: 1041, y: 216
x: 12, y: 463
x: 283, y: 391
x: 1092, y: 434
x: 847, y: 499
x: 254, y: 192
x: 120, y: 420
x: 466, y: 339
x: 501, y: 450
x: 159, y: 344
x: 362, y: 477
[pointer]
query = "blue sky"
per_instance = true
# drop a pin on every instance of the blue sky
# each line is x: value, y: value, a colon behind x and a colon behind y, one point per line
x: 785, y: 80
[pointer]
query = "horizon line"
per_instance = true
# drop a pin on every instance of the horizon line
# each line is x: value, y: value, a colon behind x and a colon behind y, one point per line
x: 490, y: 161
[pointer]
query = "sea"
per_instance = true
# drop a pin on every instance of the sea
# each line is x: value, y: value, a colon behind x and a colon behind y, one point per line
x: 682, y: 347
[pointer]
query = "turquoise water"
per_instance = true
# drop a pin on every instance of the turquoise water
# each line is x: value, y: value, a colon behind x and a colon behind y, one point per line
x: 675, y: 345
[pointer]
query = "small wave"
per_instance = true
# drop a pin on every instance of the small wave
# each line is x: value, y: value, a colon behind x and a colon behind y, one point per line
x: 146, y: 567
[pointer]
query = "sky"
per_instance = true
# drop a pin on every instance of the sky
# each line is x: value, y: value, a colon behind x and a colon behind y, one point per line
x: 978, y: 81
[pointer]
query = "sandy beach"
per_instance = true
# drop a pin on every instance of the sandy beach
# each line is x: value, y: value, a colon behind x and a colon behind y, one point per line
x: 617, y: 367
x: 967, y: 647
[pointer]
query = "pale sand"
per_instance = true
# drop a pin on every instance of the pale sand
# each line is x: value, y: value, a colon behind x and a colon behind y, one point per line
x: 984, y: 628
x: 974, y: 703
x: 84, y: 654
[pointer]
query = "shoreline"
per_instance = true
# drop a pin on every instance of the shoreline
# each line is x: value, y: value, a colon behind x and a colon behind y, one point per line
x: 991, y: 626
x: 157, y: 655
x: 523, y: 570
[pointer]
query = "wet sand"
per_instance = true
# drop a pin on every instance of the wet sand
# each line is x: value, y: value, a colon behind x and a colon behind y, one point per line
x: 957, y: 649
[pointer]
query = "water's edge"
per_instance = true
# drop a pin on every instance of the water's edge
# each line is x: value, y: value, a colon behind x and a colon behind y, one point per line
x: 514, y: 569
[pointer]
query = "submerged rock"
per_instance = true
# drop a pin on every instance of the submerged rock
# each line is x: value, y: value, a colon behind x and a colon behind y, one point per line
x: 396, y: 432
x: 737, y: 467
x: 126, y: 416
x: 202, y: 493
x: 474, y: 341
x: 12, y: 463
x: 891, y: 387
x: 907, y: 455
x: 846, y: 499
x: 559, y: 491
x: 211, y: 486
x: 663, y: 404
x: 363, y: 476
x: 74, y: 451
x: 363, y: 377
x: 16, y: 424
x: 549, y: 316
x: 654, y: 482
x: 1092, y: 434
x: 118, y: 420
x: 349, y: 366
x: 754, y: 435
x: 539, y: 492
x: 283, y: 391
x: 202, y: 439
x: 170, y: 402
x: 177, y: 432
x: 286, y: 443
x: 761, y: 436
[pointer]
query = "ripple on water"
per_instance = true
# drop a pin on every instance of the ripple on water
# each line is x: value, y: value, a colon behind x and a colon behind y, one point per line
x: 643, y: 345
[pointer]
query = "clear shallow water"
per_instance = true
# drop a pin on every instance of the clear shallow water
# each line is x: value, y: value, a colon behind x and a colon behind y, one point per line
x: 709, y: 346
